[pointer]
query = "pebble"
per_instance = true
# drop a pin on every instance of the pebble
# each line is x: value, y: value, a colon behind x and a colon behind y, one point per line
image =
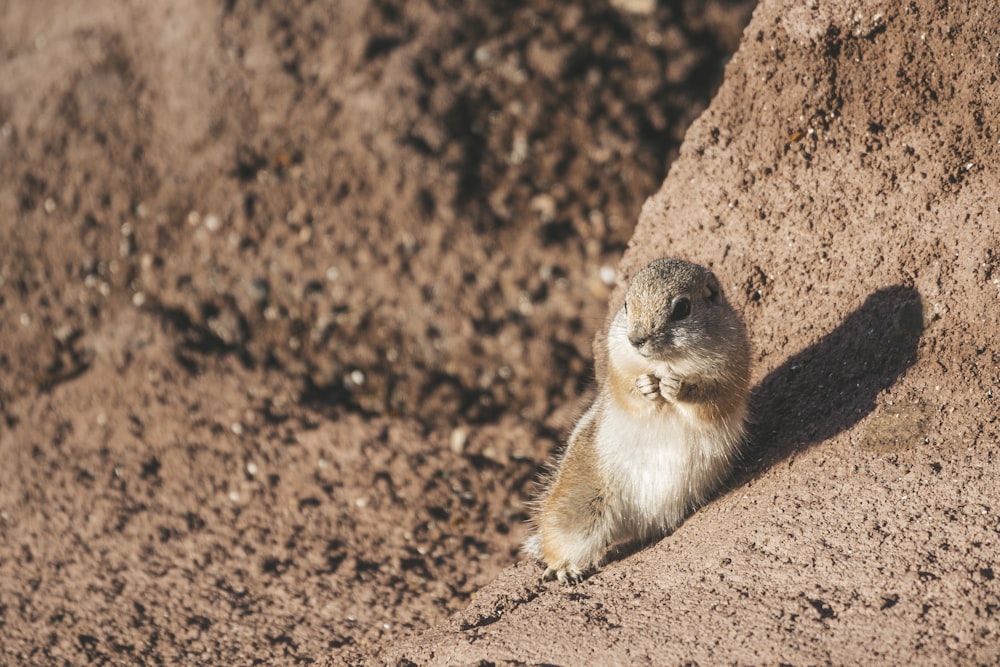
x: 259, y: 289
x: 545, y: 206
x: 635, y: 6
x: 457, y: 441
x: 63, y: 333
x: 608, y: 275
x: 482, y: 55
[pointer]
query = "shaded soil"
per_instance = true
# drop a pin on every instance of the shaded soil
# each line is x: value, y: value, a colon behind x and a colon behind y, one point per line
x: 296, y: 297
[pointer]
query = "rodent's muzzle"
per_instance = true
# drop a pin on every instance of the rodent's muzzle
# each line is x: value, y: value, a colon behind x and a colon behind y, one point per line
x: 637, y: 340
x: 648, y: 345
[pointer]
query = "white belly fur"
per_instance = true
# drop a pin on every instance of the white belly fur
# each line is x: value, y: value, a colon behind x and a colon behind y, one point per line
x: 661, y: 466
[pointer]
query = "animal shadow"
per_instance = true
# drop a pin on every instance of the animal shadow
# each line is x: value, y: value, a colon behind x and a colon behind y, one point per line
x: 831, y: 385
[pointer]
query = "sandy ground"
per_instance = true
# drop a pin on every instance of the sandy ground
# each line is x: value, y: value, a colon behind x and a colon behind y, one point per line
x: 295, y: 300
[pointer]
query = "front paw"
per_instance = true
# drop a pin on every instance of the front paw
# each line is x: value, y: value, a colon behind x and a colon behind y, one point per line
x: 566, y: 574
x: 669, y: 388
x: 649, y: 387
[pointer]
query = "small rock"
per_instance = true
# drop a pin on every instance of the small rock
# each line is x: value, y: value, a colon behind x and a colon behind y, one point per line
x: 545, y: 206
x: 635, y: 6
x: 608, y: 275
x: 457, y: 441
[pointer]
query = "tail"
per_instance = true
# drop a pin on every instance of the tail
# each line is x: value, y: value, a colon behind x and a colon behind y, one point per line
x: 533, y: 545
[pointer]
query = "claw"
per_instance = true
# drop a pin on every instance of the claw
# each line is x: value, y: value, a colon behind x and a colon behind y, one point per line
x: 566, y: 575
x: 669, y: 388
x: 649, y: 386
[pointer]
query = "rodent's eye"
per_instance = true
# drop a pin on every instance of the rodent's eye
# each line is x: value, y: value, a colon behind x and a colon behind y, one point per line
x: 681, y: 309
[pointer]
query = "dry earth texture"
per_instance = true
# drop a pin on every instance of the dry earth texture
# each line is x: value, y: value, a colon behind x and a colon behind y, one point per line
x: 295, y: 298
x: 844, y: 184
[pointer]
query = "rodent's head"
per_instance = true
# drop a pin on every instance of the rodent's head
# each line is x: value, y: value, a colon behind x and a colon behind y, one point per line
x: 675, y: 309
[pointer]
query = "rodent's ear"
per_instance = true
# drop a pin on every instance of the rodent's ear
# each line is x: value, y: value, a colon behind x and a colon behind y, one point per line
x: 712, y: 289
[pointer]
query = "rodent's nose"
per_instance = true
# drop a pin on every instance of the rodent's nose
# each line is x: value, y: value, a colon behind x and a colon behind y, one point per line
x: 637, y: 340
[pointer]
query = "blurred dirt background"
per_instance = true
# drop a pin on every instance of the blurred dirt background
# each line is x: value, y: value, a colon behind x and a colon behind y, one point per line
x: 296, y: 297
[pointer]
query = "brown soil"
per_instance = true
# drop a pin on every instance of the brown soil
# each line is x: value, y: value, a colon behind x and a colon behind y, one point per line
x: 296, y: 297
x: 294, y: 301
x: 844, y: 185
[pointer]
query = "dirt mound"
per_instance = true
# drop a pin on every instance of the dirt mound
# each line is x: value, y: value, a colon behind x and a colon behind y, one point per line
x: 843, y: 186
x: 295, y: 298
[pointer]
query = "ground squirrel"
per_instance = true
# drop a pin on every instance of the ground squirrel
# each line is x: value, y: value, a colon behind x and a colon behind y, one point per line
x: 664, y: 429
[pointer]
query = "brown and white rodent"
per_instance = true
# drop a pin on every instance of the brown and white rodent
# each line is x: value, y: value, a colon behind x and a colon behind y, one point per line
x: 664, y: 429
